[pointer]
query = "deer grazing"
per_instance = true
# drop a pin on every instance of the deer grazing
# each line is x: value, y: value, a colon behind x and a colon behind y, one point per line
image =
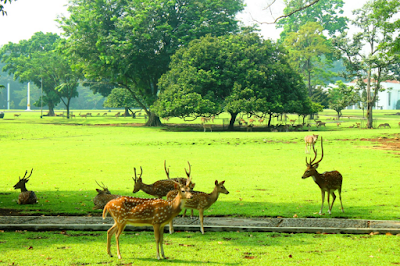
x: 310, y: 141
x: 384, y: 125
x: 159, y: 188
x: 17, y: 115
x: 103, y: 197
x: 84, y: 115
x: 139, y: 212
x: 25, y: 197
x: 327, y: 181
x: 200, y: 201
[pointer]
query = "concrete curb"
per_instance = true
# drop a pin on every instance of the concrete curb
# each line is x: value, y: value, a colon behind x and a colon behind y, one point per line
x: 211, y: 224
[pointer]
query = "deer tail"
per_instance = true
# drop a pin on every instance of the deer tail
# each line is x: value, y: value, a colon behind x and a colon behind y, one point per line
x: 105, y: 211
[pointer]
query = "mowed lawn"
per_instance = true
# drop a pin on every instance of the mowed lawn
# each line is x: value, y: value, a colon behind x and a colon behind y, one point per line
x: 262, y: 170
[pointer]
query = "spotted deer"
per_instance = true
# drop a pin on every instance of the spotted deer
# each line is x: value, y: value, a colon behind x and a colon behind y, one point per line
x: 310, y: 141
x: 103, y: 197
x: 158, y: 189
x: 201, y: 201
x: 25, y: 197
x: 180, y: 180
x: 140, y: 212
x: 327, y: 181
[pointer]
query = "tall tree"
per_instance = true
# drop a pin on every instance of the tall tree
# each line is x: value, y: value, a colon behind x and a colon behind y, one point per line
x: 233, y: 73
x: 306, y: 47
x: 367, y: 55
x: 38, y: 61
x: 341, y: 96
x: 130, y: 43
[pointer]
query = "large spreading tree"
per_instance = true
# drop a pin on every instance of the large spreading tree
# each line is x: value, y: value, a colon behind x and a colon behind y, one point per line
x: 234, y: 74
x: 130, y: 43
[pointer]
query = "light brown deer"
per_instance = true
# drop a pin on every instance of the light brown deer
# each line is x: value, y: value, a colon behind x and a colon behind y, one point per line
x: 84, y: 115
x: 327, y: 181
x: 158, y: 189
x: 17, y: 115
x: 103, y: 197
x: 310, y: 141
x: 25, y: 197
x: 207, y: 126
x: 200, y: 201
x: 139, y: 212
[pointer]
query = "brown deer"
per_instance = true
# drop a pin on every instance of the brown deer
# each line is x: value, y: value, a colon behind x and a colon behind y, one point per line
x: 84, y: 115
x: 180, y: 180
x: 310, y: 141
x: 384, y: 125
x: 139, y: 212
x: 158, y: 189
x: 25, y: 197
x: 207, y: 126
x: 17, y: 115
x: 327, y: 181
x: 103, y: 197
x: 201, y: 201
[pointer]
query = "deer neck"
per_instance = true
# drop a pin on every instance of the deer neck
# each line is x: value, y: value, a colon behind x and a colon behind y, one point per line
x: 147, y: 188
x: 213, y: 196
x: 316, y: 177
x: 177, y: 203
x: 23, y: 189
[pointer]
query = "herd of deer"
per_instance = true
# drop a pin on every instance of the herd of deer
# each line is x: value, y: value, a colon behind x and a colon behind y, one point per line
x: 179, y: 194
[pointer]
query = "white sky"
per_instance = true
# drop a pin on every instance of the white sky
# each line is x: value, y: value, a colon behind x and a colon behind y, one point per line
x: 25, y: 17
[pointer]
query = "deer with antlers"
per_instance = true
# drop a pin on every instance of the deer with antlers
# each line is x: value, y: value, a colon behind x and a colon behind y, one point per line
x: 327, y: 181
x: 103, y: 197
x: 310, y: 141
x: 139, y: 212
x: 159, y: 188
x: 25, y: 197
x: 200, y: 201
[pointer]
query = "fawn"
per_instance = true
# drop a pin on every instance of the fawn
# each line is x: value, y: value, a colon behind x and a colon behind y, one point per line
x: 102, y: 197
x: 327, y: 181
x: 310, y: 141
x: 201, y: 201
x: 25, y: 197
x: 139, y: 212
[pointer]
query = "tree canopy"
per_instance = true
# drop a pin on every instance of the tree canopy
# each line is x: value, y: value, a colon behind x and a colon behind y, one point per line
x: 232, y: 73
x: 129, y: 43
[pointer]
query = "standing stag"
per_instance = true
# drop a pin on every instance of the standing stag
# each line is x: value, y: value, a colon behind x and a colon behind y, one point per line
x: 327, y: 181
x: 25, y: 197
x: 103, y: 197
x: 200, y: 201
x: 310, y: 141
x: 139, y: 212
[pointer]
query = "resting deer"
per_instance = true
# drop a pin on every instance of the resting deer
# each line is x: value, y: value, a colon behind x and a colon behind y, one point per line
x: 139, y: 212
x: 25, y: 197
x: 310, y: 141
x: 158, y: 189
x: 102, y: 197
x: 327, y: 181
x: 201, y: 201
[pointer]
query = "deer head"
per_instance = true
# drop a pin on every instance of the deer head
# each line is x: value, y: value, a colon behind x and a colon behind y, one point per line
x: 104, y: 191
x: 137, y: 180
x: 312, y: 165
x: 22, y: 181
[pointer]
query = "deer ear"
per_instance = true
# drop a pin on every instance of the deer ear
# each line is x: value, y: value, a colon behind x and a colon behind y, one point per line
x: 98, y: 190
x: 222, y: 182
x: 316, y: 166
x: 176, y: 185
x: 216, y: 182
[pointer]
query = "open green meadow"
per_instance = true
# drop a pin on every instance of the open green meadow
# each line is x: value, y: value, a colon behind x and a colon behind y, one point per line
x: 262, y: 171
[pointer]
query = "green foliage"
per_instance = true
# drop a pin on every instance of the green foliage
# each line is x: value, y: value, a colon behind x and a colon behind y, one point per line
x: 327, y: 13
x: 120, y: 98
x: 129, y: 43
x: 37, y: 60
x: 342, y: 96
x: 2, y: 6
x: 233, y: 73
x: 306, y: 49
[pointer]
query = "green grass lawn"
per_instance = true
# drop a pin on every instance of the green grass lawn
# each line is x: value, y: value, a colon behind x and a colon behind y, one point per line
x: 187, y: 248
x: 262, y: 170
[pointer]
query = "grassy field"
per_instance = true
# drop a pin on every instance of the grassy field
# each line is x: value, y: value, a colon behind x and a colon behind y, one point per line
x: 184, y: 248
x: 262, y: 170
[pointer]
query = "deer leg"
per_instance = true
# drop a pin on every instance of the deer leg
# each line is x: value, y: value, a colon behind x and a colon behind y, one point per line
x: 323, y: 198
x: 201, y: 216
x: 184, y: 213
x: 110, y: 233
x: 333, y: 201
x: 191, y: 213
x: 340, y: 197
x: 171, y: 227
x: 162, y: 241
x: 329, y: 205
x: 158, y: 237
x: 121, y: 228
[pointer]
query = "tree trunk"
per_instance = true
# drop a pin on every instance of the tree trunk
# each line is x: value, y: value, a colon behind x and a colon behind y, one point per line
x: 232, y: 121
x: 51, y: 108
x: 153, y: 120
x: 269, y: 120
x: 369, y: 101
